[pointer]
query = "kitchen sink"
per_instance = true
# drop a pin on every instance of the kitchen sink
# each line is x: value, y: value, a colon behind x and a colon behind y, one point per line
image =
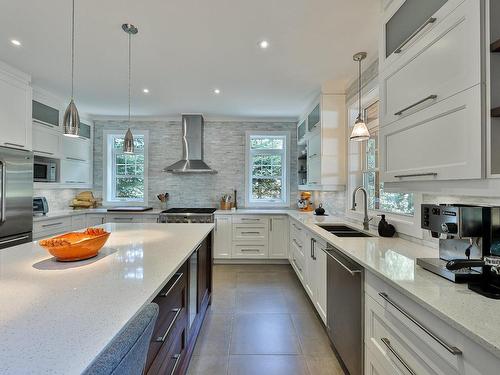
x: 344, y: 231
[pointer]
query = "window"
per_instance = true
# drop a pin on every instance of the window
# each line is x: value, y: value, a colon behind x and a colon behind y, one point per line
x: 125, y: 174
x: 267, y: 182
x: 378, y: 199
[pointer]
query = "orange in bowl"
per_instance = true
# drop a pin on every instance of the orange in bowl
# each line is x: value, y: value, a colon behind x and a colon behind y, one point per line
x: 76, y: 245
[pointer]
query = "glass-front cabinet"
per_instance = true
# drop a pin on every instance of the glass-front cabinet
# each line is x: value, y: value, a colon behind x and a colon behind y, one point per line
x: 45, y: 115
x: 314, y: 118
x: 301, y: 131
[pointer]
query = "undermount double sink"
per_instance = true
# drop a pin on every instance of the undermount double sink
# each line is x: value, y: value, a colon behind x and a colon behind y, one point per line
x: 340, y: 230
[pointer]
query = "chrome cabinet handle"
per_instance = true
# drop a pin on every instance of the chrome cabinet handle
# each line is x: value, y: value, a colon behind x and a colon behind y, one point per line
x: 77, y: 159
x: 14, y: 239
x: 452, y: 349
x: 250, y: 232
x: 248, y: 219
x: 414, y: 34
x: 296, y: 243
x: 216, y: 223
x: 313, y: 243
x: 14, y: 144
x: 387, y: 343
x: 295, y: 261
x: 248, y: 250
x: 51, y: 224
x: 164, y: 337
x: 179, y: 276
x: 123, y: 218
x: 313, y: 155
x: 430, y: 97
x: 270, y: 224
x: 177, y: 357
x: 296, y: 227
x: 352, y: 272
x: 416, y: 175
x: 74, y: 182
x: 43, y: 152
x: 4, y: 190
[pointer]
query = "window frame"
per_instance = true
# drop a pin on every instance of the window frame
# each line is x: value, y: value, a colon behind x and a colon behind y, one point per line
x: 405, y: 224
x: 108, y: 164
x: 285, y: 202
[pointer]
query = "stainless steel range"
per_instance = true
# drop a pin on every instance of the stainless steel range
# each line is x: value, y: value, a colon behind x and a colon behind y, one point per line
x: 188, y: 215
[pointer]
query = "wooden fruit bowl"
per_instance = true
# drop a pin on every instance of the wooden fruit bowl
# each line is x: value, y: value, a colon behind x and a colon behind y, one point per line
x: 76, y: 245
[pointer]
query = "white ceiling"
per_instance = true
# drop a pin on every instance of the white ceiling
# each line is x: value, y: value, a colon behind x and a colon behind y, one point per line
x: 186, y: 48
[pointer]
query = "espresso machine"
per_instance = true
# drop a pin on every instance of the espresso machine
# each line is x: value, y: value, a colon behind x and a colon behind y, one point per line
x: 466, y: 235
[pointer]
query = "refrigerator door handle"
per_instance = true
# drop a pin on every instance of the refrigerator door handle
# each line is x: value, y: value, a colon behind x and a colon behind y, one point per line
x: 4, y: 190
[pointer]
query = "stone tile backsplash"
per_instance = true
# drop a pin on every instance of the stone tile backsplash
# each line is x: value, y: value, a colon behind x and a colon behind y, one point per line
x: 224, y: 149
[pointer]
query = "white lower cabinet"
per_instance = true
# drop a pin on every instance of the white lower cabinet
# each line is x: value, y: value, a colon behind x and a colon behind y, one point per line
x: 51, y: 227
x: 95, y: 219
x: 130, y: 218
x: 315, y: 282
x: 402, y: 337
x: 251, y: 236
x: 223, y: 237
x: 78, y: 222
x: 278, y: 237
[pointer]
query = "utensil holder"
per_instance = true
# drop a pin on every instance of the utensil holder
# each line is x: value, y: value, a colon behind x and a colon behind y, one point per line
x: 225, y: 205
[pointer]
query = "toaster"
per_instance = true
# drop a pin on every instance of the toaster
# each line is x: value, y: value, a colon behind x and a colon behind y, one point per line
x: 40, y: 206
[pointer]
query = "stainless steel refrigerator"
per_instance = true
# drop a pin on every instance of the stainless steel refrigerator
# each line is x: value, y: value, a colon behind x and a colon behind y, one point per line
x: 16, y: 197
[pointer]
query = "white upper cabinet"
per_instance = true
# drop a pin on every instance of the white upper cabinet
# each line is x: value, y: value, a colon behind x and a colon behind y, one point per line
x: 46, y: 142
x: 76, y: 148
x: 432, y: 112
x: 15, y: 108
x: 326, y: 140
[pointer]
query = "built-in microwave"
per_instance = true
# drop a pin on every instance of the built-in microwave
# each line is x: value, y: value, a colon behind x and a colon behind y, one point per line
x: 44, y: 170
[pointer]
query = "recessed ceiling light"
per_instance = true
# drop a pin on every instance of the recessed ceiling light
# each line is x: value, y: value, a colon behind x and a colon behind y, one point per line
x: 263, y: 44
x: 15, y: 42
x: 145, y: 91
x: 216, y: 91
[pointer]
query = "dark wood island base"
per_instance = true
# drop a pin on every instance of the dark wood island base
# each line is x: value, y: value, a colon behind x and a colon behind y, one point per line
x: 183, y: 305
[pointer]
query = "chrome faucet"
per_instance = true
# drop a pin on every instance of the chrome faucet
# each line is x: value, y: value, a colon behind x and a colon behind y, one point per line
x: 366, y: 220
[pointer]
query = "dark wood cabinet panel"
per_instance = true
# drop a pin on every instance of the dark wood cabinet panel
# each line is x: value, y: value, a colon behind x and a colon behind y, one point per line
x: 173, y: 340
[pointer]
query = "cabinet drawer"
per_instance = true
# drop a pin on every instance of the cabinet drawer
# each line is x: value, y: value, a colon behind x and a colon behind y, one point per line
x: 257, y: 232
x: 448, y: 64
x: 78, y: 222
x: 250, y: 219
x: 46, y: 228
x: 250, y: 250
x: 385, y: 342
x: 171, y: 355
x: 298, y: 263
x: 95, y: 219
x: 442, y: 142
x: 444, y: 349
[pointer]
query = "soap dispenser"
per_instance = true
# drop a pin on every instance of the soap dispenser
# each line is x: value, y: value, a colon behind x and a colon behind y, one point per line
x: 384, y: 228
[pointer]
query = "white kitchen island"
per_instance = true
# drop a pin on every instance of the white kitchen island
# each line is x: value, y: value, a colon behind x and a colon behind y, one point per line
x: 57, y: 317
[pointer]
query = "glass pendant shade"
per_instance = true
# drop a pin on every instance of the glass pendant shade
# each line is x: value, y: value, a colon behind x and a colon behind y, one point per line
x: 360, y: 131
x: 71, y: 120
x: 128, y: 144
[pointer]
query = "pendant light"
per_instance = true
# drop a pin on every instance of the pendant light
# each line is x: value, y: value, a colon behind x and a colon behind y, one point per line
x: 71, y: 119
x: 128, y: 144
x: 360, y: 130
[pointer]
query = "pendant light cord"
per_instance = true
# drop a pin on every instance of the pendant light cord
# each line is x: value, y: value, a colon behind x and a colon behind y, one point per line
x: 129, y: 72
x: 359, y: 89
x: 72, y: 49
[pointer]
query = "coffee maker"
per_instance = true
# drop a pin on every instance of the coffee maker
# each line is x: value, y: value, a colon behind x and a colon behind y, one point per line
x: 466, y: 235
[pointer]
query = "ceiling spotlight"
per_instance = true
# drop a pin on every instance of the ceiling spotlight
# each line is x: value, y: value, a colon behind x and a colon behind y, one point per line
x: 263, y: 44
x: 145, y: 91
x: 16, y: 42
x: 216, y: 91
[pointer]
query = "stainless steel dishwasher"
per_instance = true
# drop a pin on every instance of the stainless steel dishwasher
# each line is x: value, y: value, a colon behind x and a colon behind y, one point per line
x: 345, y: 309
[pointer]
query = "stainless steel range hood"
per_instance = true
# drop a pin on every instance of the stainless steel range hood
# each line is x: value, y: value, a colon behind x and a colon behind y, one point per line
x: 192, y: 147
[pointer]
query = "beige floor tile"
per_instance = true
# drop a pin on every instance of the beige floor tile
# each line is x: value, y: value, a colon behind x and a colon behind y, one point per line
x: 223, y: 300
x: 261, y: 301
x: 324, y: 365
x: 263, y: 334
x: 316, y: 346
x: 267, y: 365
x: 212, y: 345
x: 215, y: 335
x: 308, y: 325
x: 298, y: 301
x: 208, y: 365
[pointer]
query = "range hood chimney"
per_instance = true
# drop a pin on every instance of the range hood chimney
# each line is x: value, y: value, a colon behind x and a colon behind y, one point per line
x: 192, y: 147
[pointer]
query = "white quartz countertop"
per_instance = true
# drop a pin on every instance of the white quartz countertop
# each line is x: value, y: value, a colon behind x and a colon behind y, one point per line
x: 57, y: 317
x: 67, y: 213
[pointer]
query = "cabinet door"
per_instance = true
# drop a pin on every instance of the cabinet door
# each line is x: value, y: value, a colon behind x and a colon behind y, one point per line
x: 314, y: 118
x: 46, y: 142
x: 223, y: 236
x: 301, y: 130
x: 321, y: 280
x: 75, y: 172
x: 314, y: 160
x: 278, y: 237
x: 95, y: 219
x: 442, y: 142
x: 310, y: 268
x: 15, y: 113
x: 76, y: 148
x: 204, y: 273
